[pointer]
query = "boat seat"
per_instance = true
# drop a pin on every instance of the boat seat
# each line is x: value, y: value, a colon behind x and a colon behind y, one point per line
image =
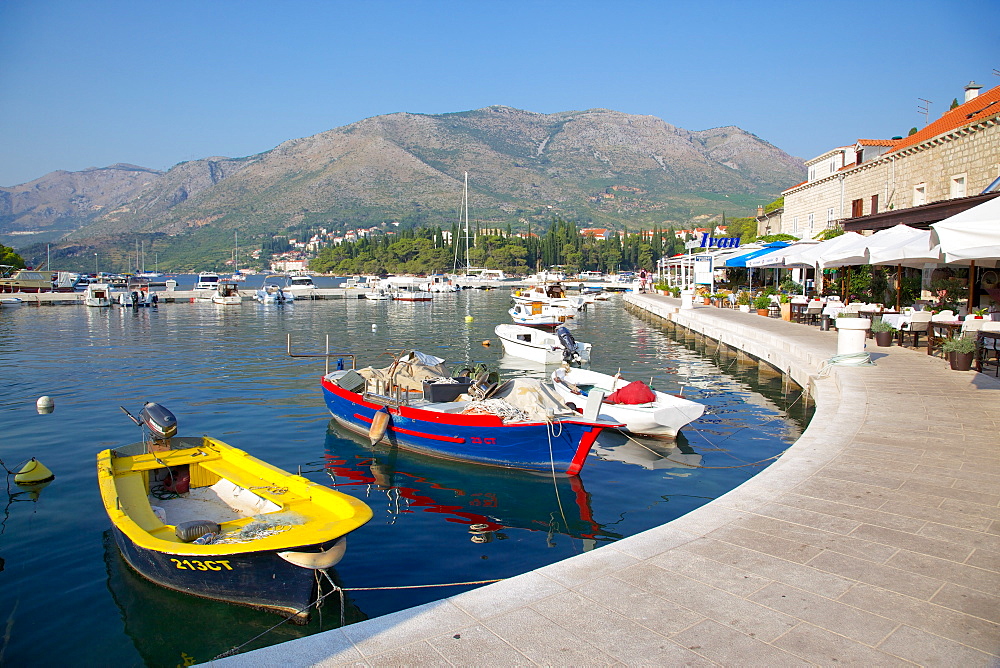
x: 133, y: 494
x: 259, y: 486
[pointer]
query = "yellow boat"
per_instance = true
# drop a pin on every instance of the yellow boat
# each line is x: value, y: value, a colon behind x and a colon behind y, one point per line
x: 201, y: 517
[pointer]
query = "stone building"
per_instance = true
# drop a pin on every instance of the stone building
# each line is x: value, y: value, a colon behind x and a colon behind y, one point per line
x: 952, y: 159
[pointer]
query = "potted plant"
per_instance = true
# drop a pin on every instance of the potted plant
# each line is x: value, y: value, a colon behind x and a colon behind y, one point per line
x: 761, y: 303
x: 785, y: 304
x: 883, y: 332
x: 979, y: 313
x: 960, y: 351
x: 743, y: 301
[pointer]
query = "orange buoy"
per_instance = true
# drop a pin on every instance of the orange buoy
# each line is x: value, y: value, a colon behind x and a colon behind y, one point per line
x: 380, y: 424
x: 486, y: 343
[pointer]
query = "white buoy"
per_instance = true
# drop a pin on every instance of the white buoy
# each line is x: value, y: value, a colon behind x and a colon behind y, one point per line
x: 45, y: 405
x: 374, y: 327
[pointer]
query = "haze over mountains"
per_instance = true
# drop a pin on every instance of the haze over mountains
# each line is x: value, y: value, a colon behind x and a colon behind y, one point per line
x: 596, y: 167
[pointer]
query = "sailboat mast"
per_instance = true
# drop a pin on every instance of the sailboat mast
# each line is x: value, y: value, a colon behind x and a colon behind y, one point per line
x: 465, y: 202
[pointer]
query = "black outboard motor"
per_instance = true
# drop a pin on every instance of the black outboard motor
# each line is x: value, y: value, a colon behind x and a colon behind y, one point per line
x: 160, y: 422
x: 571, y: 352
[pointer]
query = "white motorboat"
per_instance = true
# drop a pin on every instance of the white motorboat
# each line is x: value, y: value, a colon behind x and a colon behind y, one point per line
x: 658, y: 414
x: 301, y: 286
x: 553, y: 294
x: 207, y: 280
x: 227, y: 295
x: 442, y: 283
x: 10, y: 302
x: 273, y: 293
x: 539, y: 314
x: 136, y: 293
x: 97, y: 294
x: 541, y: 346
x: 377, y: 292
x: 411, y: 293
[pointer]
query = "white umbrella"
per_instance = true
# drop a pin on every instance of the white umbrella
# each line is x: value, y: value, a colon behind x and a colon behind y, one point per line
x: 973, y: 234
x: 825, y: 253
x: 903, y: 245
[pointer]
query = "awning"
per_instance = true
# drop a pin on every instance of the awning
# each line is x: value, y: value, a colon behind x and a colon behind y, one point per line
x: 784, y: 258
x: 973, y: 234
x: 741, y: 260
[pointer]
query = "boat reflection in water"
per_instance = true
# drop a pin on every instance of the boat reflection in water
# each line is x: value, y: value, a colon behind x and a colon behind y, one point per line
x: 488, y: 499
x: 169, y: 628
x: 649, y: 453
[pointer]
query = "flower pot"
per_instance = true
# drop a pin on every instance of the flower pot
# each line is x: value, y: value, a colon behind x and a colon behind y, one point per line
x: 960, y: 361
x: 762, y: 311
x: 706, y: 301
x: 883, y: 339
x: 786, y: 311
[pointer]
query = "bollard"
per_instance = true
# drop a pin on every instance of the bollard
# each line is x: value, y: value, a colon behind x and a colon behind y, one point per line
x: 851, y: 333
x: 687, y: 299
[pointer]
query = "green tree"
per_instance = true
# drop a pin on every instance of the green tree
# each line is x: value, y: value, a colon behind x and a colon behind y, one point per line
x: 9, y: 257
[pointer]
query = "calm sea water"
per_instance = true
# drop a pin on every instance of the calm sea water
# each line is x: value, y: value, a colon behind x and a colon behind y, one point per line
x: 66, y: 595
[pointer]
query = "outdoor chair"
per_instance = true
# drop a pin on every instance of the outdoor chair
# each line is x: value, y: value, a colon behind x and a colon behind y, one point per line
x: 811, y: 313
x: 919, y: 323
x: 943, y: 315
x: 988, y: 347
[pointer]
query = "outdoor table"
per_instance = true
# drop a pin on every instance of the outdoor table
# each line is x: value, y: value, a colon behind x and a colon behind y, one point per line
x: 833, y: 310
x: 987, y: 342
x: 897, y: 320
x: 938, y: 330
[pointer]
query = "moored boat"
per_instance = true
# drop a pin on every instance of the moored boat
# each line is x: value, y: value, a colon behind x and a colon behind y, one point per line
x: 207, y: 280
x: 300, y: 286
x: 541, y: 346
x: 227, y: 294
x: 538, y: 314
x: 273, y: 292
x: 201, y: 517
x: 415, y: 404
x: 643, y: 410
x: 97, y: 294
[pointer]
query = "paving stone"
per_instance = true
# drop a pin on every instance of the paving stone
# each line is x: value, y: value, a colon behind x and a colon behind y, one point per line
x: 860, y: 515
x: 640, y: 606
x: 825, y: 648
x: 773, y: 568
x: 745, y: 616
x: 545, y: 642
x: 879, y: 575
x: 616, y: 635
x: 938, y: 620
x: 853, y: 544
x: 969, y: 601
x: 946, y: 570
x: 733, y: 580
x: 854, y: 623
x: 912, y: 542
x: 414, y: 654
x: 728, y: 647
x: 475, y: 645
x: 779, y: 547
x: 930, y: 650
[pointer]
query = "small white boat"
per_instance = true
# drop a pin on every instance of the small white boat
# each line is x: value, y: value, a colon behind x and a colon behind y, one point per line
x: 97, y: 294
x: 272, y: 293
x: 538, y: 314
x: 10, y: 302
x: 543, y: 347
x: 411, y: 293
x: 553, y: 294
x: 301, y: 286
x: 661, y: 415
x: 207, y: 280
x: 227, y: 295
x: 377, y: 292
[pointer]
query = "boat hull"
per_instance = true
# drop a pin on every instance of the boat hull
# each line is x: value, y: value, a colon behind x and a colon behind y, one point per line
x: 662, y: 418
x: 261, y: 580
x: 482, y: 439
x: 536, y: 345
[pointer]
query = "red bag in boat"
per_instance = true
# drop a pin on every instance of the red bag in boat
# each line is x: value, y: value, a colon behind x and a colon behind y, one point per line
x: 636, y: 392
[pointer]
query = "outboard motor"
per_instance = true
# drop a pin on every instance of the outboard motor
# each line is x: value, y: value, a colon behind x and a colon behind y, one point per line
x: 160, y: 422
x: 571, y: 352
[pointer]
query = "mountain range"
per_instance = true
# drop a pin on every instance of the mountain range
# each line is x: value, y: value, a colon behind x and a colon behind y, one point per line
x: 597, y: 167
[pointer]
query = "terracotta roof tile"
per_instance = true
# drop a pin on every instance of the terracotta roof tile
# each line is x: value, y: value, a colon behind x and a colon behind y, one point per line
x: 877, y: 142
x: 985, y: 104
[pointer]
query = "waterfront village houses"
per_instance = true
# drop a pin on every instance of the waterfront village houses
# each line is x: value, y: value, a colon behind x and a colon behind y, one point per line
x: 956, y: 156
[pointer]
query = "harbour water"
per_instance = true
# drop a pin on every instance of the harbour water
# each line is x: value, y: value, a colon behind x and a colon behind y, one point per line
x: 223, y: 371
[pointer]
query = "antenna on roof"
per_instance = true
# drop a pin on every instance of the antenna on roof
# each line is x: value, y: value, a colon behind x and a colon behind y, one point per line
x: 925, y: 108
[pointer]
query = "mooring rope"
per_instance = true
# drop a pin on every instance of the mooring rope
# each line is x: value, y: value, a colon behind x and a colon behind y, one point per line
x: 340, y: 590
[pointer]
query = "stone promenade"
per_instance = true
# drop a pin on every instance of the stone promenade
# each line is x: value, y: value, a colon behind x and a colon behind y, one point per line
x: 874, y: 540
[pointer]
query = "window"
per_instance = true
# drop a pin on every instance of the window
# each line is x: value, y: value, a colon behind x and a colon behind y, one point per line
x: 958, y: 186
x: 857, y: 208
x: 875, y: 203
x: 812, y: 173
x: 919, y: 194
x: 829, y: 216
x: 795, y: 225
x: 812, y: 219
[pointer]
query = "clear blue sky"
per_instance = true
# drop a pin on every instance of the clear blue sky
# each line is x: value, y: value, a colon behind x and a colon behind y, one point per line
x: 155, y: 83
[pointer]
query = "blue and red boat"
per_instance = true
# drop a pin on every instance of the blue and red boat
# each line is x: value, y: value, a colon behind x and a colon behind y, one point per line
x: 416, y: 405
